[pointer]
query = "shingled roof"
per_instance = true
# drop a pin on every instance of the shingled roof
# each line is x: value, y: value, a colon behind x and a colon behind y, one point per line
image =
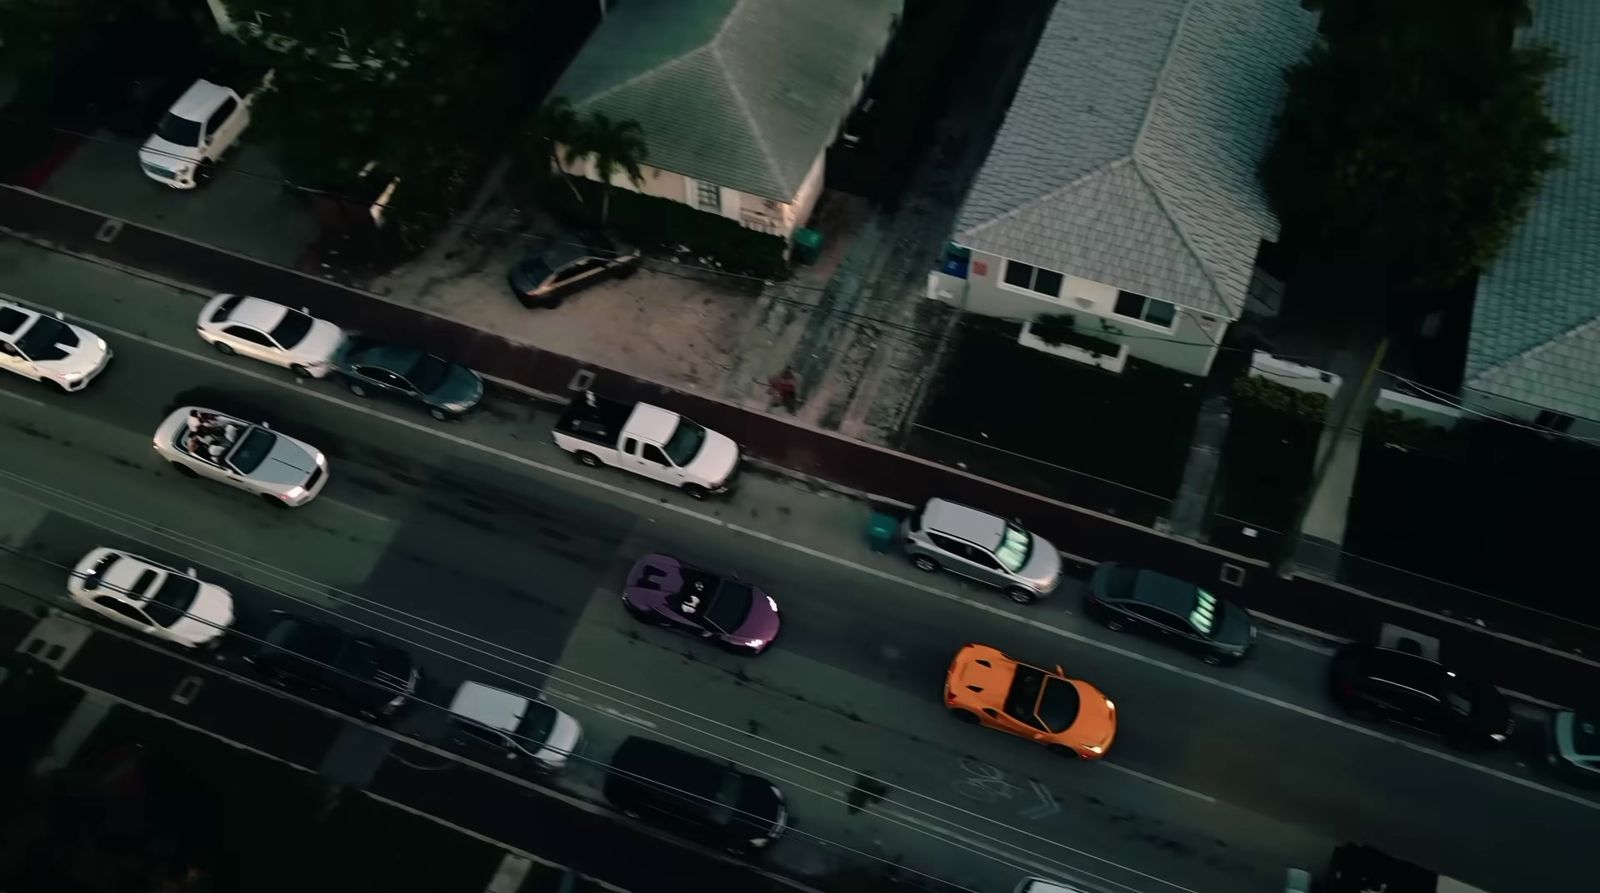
x: 742, y: 93
x: 1129, y: 154
x: 1536, y: 321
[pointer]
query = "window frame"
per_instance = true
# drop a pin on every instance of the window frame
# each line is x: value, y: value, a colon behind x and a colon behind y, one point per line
x: 1033, y: 279
x: 701, y: 195
x: 1145, y: 303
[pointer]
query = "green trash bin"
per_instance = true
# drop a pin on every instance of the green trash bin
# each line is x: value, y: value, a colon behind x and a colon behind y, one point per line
x: 881, y: 530
x: 807, y: 245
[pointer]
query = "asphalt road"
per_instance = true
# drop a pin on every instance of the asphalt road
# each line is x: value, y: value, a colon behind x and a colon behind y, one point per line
x: 496, y: 559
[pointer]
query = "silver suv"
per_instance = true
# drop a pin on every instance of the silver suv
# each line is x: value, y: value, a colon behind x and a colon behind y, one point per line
x: 987, y: 548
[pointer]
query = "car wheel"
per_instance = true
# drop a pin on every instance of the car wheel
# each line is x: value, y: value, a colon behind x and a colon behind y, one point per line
x: 208, y: 169
x: 1115, y: 625
x: 274, y: 501
x: 223, y: 348
x: 1021, y: 596
x: 440, y: 414
x: 589, y: 459
x: 925, y: 564
x: 300, y: 371
x: 1212, y: 658
x: 695, y: 491
x: 357, y: 389
x: 966, y: 716
x: 184, y: 470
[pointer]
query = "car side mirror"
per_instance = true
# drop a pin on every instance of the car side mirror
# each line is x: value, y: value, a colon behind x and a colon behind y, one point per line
x: 267, y: 425
x: 193, y: 573
x: 60, y: 315
x: 306, y: 310
x: 1059, y: 671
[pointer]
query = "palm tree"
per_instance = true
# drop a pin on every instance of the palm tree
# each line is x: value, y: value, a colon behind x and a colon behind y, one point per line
x: 556, y: 126
x: 615, y: 146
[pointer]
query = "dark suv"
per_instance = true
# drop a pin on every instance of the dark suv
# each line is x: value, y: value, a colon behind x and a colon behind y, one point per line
x: 324, y: 663
x: 695, y: 796
x: 1413, y: 690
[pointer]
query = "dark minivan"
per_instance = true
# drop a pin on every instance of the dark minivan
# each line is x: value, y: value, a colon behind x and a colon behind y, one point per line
x: 1382, y: 683
x: 695, y: 796
x: 367, y: 677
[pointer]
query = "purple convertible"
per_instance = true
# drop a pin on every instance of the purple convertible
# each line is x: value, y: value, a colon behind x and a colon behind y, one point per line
x: 665, y: 591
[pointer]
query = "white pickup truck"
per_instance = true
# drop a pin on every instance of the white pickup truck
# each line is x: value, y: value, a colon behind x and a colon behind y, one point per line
x: 648, y: 441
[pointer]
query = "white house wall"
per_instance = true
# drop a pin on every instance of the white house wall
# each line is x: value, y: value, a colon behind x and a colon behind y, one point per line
x: 1526, y: 413
x: 1189, y: 346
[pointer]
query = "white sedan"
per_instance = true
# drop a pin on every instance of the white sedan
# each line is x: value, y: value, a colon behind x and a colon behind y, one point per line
x: 165, y: 603
x: 272, y: 333
x: 210, y: 444
x: 49, y: 349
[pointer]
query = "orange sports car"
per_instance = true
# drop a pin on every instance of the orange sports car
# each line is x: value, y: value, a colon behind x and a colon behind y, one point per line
x: 985, y: 686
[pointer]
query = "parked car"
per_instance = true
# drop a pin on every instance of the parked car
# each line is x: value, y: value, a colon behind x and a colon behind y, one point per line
x: 569, y: 263
x: 172, y: 605
x: 372, y: 368
x: 1173, y: 610
x: 195, y: 133
x: 985, y: 686
x: 649, y: 441
x: 272, y: 333
x: 666, y: 592
x: 1575, y: 746
x: 494, y: 724
x: 1358, y: 868
x: 341, y: 669
x: 206, y: 443
x: 695, y: 796
x: 949, y: 536
x: 1040, y: 885
x: 49, y: 349
x: 1417, y: 691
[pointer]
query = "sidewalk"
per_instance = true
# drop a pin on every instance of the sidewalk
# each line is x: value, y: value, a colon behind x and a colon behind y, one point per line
x: 1525, y: 652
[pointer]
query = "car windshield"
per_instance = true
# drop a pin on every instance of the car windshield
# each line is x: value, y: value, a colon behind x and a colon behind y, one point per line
x: 1058, y: 705
x: 1458, y: 695
x: 1203, y: 616
x: 427, y: 373
x: 726, y: 801
x: 685, y: 442
x: 730, y: 606
x: 1015, y: 547
x: 252, y: 450
x: 291, y: 330
x: 179, y: 131
x: 173, y: 600
x: 536, y: 724
x: 47, y: 339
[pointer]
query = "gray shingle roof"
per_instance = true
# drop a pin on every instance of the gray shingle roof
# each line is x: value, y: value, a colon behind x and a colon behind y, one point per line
x: 1129, y: 154
x: 742, y: 93
x: 1536, y: 321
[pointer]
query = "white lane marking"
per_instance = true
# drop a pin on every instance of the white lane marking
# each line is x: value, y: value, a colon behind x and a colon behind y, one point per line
x: 1013, y: 859
x: 369, y: 514
x: 861, y: 568
x: 1298, y: 642
x: 15, y: 396
x: 1158, y: 781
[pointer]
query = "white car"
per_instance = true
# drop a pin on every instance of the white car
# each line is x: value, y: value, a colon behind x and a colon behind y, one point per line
x: 48, y: 348
x: 168, y: 604
x: 205, y: 443
x: 272, y: 333
x: 203, y: 124
x: 489, y: 722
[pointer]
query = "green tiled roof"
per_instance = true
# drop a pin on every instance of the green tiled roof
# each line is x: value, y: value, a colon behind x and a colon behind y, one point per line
x: 742, y: 93
x: 1536, y: 321
x: 1129, y: 154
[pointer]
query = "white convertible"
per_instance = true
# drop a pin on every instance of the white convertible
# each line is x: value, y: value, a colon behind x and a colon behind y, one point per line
x: 210, y: 444
x: 169, y: 604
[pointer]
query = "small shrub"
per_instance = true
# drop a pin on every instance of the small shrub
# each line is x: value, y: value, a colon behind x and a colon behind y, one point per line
x: 1282, y: 398
x: 1053, y: 329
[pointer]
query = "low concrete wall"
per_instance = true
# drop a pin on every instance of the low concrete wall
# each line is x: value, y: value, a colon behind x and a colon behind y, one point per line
x: 1437, y: 414
x: 1294, y: 375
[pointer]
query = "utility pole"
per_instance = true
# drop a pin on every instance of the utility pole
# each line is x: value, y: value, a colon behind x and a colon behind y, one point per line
x: 1285, y: 565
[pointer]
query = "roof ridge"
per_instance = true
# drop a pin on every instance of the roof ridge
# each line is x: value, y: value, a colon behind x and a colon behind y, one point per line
x: 1046, y: 196
x: 679, y: 59
x: 1592, y: 322
x: 1161, y: 76
x: 744, y: 108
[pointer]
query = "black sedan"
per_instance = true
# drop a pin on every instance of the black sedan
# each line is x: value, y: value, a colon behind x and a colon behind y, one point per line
x: 1163, y: 607
x: 372, y: 368
x: 569, y: 263
x: 323, y: 663
x: 1382, y: 683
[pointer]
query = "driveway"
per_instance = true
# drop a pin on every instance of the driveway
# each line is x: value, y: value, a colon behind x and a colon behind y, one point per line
x: 244, y: 209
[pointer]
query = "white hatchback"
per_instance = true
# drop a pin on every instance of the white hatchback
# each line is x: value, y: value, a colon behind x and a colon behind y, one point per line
x: 168, y: 604
x: 272, y: 333
x: 49, y: 349
x: 254, y: 458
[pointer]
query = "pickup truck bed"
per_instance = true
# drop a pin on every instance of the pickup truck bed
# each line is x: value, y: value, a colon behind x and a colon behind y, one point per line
x: 595, y: 419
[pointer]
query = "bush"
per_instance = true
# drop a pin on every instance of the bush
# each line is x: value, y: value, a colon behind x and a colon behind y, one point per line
x: 1282, y: 398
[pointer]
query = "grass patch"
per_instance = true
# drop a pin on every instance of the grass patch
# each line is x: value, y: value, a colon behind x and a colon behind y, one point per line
x: 1112, y: 442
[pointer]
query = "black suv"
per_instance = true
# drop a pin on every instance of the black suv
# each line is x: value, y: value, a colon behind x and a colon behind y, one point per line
x: 1413, y: 690
x: 695, y: 796
x: 324, y: 663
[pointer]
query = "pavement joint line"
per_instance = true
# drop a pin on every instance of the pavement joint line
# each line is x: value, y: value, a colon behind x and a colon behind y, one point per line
x: 1161, y: 782
x: 861, y: 568
x: 15, y: 396
x: 631, y: 494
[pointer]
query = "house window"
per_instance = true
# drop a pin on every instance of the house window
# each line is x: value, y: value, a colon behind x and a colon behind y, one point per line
x: 1036, y: 279
x: 708, y: 196
x: 1150, y: 310
x: 1554, y: 421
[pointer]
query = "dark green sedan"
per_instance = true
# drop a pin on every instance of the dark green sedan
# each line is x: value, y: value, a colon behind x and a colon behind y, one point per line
x: 373, y: 369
